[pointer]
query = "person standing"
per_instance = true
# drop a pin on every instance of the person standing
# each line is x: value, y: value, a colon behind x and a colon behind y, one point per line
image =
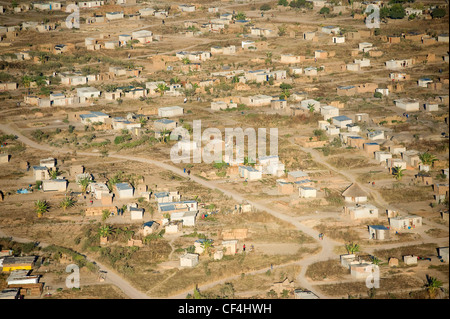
x: 243, y: 248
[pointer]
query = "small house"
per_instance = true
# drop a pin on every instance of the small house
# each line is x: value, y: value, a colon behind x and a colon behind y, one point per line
x: 378, y: 232
x: 230, y: 246
x: 307, y: 192
x: 361, y: 270
x: 443, y: 253
x: 149, y: 228
x: 124, y: 190
x: 341, y: 121
x: 371, y: 148
x: 362, y: 211
x: 410, y: 260
x: 54, y: 185
x: 11, y: 263
x: 405, y: 222
x: 189, y: 260
x: 170, y: 111
x: 354, y: 194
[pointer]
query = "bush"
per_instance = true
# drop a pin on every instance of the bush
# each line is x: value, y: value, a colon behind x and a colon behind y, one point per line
x: 438, y: 13
x: 283, y: 3
x: 324, y: 10
x: 378, y: 95
x: 265, y: 7
x: 397, y: 12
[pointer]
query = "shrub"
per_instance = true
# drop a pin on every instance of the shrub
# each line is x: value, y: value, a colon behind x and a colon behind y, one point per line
x: 438, y: 13
x: 265, y: 7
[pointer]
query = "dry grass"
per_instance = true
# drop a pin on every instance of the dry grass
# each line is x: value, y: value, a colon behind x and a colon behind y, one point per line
x: 349, y: 162
x: 399, y: 252
x: 437, y: 233
x: 406, y: 194
x: 91, y: 292
x: 340, y: 233
x: 330, y: 269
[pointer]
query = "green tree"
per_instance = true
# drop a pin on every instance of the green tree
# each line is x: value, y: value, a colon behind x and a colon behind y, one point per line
x: 105, y: 231
x: 427, y: 158
x: 352, y: 248
x: 398, y: 172
x: 41, y: 207
x: 433, y: 286
x: 105, y: 215
x: 265, y: 7
x: 283, y: 3
x: 54, y: 173
x: 84, y: 183
x: 161, y: 88
x: 438, y: 13
x: 397, y: 11
x: 324, y: 10
x: 206, y: 245
x: 185, y: 61
x: 67, y: 202
x: 240, y: 16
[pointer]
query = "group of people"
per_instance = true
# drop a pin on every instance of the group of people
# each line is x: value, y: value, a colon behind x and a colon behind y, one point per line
x: 321, y: 236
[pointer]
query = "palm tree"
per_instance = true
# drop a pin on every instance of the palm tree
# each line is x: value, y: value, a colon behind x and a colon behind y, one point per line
x: 164, y: 136
x: 433, y: 286
x: 54, y: 173
x: 26, y: 82
x: 352, y: 248
x: 113, y: 181
x: 161, y: 88
x: 175, y: 80
x: 105, y: 214
x: 427, y: 158
x: 206, y: 245
x: 84, y: 183
x: 398, y: 172
x: 376, y: 261
x: 186, y: 61
x: 67, y: 202
x: 311, y: 107
x: 105, y: 230
x: 41, y: 207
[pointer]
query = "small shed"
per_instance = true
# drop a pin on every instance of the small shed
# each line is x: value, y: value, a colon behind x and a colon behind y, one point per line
x: 189, y: 260
x: 379, y: 232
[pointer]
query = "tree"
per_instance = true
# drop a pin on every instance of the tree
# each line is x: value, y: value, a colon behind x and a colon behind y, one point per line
x: 105, y: 231
x: 54, y: 173
x: 105, y: 215
x: 164, y: 135
x: 283, y: 3
x: 113, y: 181
x: 398, y: 172
x: 227, y: 291
x: 427, y: 158
x: 41, y: 207
x: 282, y: 30
x: 378, y: 95
x: 352, y: 248
x: 67, y: 202
x: 206, y: 245
x: 324, y: 10
x: 185, y: 61
x: 175, y: 80
x: 240, y: 16
x: 438, y: 13
x: 397, y: 11
x: 84, y: 183
x: 433, y: 286
x: 161, y: 88
x: 265, y: 7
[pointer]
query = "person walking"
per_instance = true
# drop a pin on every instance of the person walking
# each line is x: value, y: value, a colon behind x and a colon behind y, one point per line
x: 184, y: 170
x: 189, y: 172
x: 243, y: 248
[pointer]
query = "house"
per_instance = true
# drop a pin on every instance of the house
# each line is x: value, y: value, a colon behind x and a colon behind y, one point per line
x: 98, y: 189
x: 307, y: 192
x: 355, y: 141
x: 392, y: 163
x: 310, y: 103
x: 407, y: 104
x: 136, y: 213
x: 346, y: 90
x: 11, y: 293
x: 88, y: 92
x: 187, y: 217
x: 189, y: 260
x: 149, y: 228
x: 431, y: 107
x: 411, y: 157
x: 443, y: 253
x: 170, y: 111
x: 21, y: 277
x: 297, y: 176
x: 361, y: 270
x: 167, y: 197
x: 371, y: 147
x: 361, y: 211
x: 423, y: 82
x: 41, y: 173
x: 353, y: 67
x: 93, y: 117
x: 257, y: 100
x: 410, y: 260
x: 309, y: 35
x: 338, y: 39
x: 405, y: 222
x: 424, y: 178
x: 143, y: 36
x: 124, y: 190
x: 221, y: 105
x: 341, y: 121
x: 48, y: 162
x: 164, y: 124
x: 230, y: 246
x: 250, y: 173
x: 310, y: 71
x: 363, y: 46
x: 284, y: 187
x: 443, y: 38
x: 278, y: 104
x: 382, y: 157
x: 173, y: 227
x: 330, y: 29
x: 354, y: 194
x: 11, y: 263
x: 440, y: 192
x: 320, y: 54
x: 397, y: 149
x: 329, y: 111
x: 304, y: 294
x: 378, y: 232
x: 114, y: 15
x: 4, y: 158
x: 54, y: 185
x: 398, y: 64
x: 291, y: 59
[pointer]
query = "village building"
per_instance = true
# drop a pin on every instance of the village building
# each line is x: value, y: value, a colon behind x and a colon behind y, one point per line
x: 361, y: 211
x: 378, y: 232
x: 124, y: 190
x: 189, y: 260
x: 354, y: 194
x: 170, y: 111
x: 405, y: 222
